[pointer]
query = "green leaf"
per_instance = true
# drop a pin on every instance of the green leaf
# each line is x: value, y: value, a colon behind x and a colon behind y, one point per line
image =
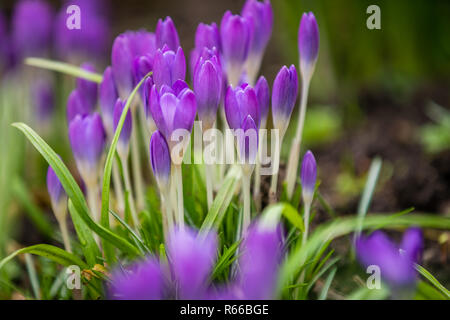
x: 73, y: 191
x: 88, y: 245
x: 433, y: 281
x: 108, y: 167
x: 135, y: 236
x: 53, y: 253
x: 222, y: 200
x: 225, y: 260
x: 33, y: 276
x: 64, y: 68
x: 324, y: 292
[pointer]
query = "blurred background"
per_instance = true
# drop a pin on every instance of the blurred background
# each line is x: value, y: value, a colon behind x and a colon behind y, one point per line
x: 375, y: 93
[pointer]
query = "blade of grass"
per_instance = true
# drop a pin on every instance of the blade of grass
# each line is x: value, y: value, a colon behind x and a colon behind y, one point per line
x: 33, y: 276
x: 64, y: 68
x: 324, y: 292
x: 424, y: 272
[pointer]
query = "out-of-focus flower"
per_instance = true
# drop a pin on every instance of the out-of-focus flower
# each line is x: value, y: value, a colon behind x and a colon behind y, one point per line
x: 172, y: 110
x: 284, y: 94
x: 235, y: 39
x: 207, y: 36
x: 125, y: 134
x: 308, y: 176
x: 87, y: 139
x: 160, y: 159
x: 166, y: 34
x: 76, y: 106
x: 126, y: 48
x: 107, y: 100
x: 260, y: 17
x: 4, y: 42
x: 43, y: 99
x: 208, y: 89
x: 168, y: 67
x: 32, y: 27
x: 263, y: 94
x: 55, y: 188
x: 396, y: 263
x: 191, y: 260
x: 91, y: 41
x: 308, y: 43
x: 88, y: 90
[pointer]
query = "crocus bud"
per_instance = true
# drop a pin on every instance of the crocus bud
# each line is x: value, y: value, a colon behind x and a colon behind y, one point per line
x: 308, y: 176
x: 308, y: 44
x: 126, y: 47
x: 260, y: 17
x: 87, y: 139
x: 208, y: 88
x: 207, y: 36
x: 76, y: 106
x: 43, y: 99
x: 32, y: 27
x: 235, y: 37
x: 168, y: 66
x: 248, y: 141
x: 166, y: 34
x: 124, y: 138
x: 88, y: 90
x: 107, y: 99
x: 240, y: 103
x: 396, y: 263
x: 55, y: 189
x: 284, y: 94
x: 171, y: 111
x: 263, y: 94
x: 160, y: 159
x: 205, y: 54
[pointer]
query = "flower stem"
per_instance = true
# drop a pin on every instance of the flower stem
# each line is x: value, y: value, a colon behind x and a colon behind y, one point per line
x: 247, y: 202
x: 136, y: 164
x: 179, y: 186
x: 306, y: 222
x: 126, y: 176
x: 60, y: 211
x: 118, y: 188
x: 257, y: 182
x: 291, y: 173
x: 209, y: 185
x: 93, y: 205
x: 276, y: 167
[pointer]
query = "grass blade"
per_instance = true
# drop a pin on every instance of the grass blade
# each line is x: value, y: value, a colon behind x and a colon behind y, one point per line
x: 64, y: 68
x: 324, y: 292
x: 424, y: 272
x: 33, y: 276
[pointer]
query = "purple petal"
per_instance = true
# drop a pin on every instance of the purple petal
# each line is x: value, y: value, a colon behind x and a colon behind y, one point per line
x: 284, y: 94
x: 160, y: 158
x: 263, y: 94
x: 76, y: 106
x: 125, y: 134
x: 262, y: 21
x: 207, y: 36
x: 309, y: 173
x: 54, y: 187
x: 88, y: 90
x: 107, y: 99
x: 166, y: 34
x: 308, y: 39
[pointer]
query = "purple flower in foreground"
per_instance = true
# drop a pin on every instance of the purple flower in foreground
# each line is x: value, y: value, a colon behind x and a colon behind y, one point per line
x: 284, y: 94
x: 32, y: 27
x: 308, y: 176
x: 125, y: 134
x: 263, y: 94
x: 76, y: 106
x: 235, y: 38
x: 168, y: 66
x: 87, y: 139
x: 107, y: 99
x: 88, y: 90
x: 55, y: 188
x: 308, y: 42
x: 396, y: 263
x: 160, y: 159
x: 166, y: 34
x: 43, y: 99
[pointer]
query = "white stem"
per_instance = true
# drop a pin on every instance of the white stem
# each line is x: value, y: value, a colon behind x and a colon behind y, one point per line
x: 65, y: 233
x: 118, y: 188
x: 291, y: 173
x: 93, y: 205
x: 180, y: 201
x: 209, y: 185
x: 126, y: 176
x: 276, y: 167
x: 247, y: 202
x: 136, y: 164
x: 257, y: 182
x: 306, y: 221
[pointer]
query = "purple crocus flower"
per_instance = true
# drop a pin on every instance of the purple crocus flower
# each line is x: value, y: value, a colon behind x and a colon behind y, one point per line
x: 76, y: 106
x: 190, y: 259
x: 107, y: 100
x: 396, y: 263
x: 91, y: 40
x: 260, y: 17
x: 87, y: 139
x: 263, y: 94
x: 55, y: 188
x: 235, y: 39
x: 208, y: 89
x: 308, y: 176
x: 284, y: 94
x: 32, y: 27
x: 166, y: 34
x: 125, y: 134
x: 160, y: 159
x: 172, y: 110
x: 308, y: 42
x: 168, y: 66
x: 142, y: 281
x: 126, y: 48
x: 207, y: 36
x: 88, y: 90
x: 43, y: 99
